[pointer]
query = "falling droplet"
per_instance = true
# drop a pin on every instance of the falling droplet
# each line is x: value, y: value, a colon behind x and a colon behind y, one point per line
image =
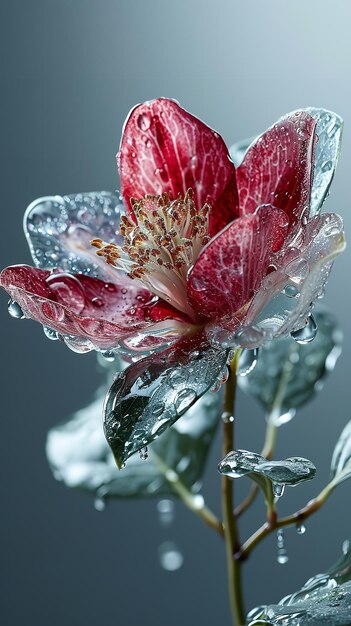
x: 165, y: 509
x: 143, y: 453
x: 248, y: 361
x: 170, y: 556
x: 301, y: 529
x: 307, y: 333
x: 99, y: 503
x: 278, y: 489
x: 50, y: 333
x: 282, y: 555
x: 15, y: 310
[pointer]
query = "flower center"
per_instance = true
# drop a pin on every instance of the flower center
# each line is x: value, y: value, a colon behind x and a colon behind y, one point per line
x: 162, y: 245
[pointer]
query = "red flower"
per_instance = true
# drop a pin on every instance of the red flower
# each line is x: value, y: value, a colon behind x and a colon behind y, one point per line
x: 211, y: 254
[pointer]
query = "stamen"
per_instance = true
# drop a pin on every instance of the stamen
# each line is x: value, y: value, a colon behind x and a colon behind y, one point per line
x: 162, y: 245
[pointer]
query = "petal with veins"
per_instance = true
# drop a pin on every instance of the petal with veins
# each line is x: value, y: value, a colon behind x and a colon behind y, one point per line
x: 84, y: 306
x: 166, y: 149
x: 278, y: 167
x: 232, y: 266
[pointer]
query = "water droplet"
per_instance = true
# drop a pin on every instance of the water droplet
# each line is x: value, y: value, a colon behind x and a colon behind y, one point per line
x: 282, y: 555
x: 165, y: 509
x: 247, y: 362
x: 297, y: 269
x: 227, y: 418
x: 326, y: 166
x: 170, y: 556
x: 50, y: 333
x: 333, y: 130
x: 307, y: 333
x: 301, y: 529
x: 98, y: 302
x: 291, y: 291
x: 178, y: 377
x: 144, y: 453
x: 184, y: 399
x: 100, y: 503
x: 109, y: 355
x: 158, y: 409
x: 144, y: 121
x: 198, y: 502
x: 278, y: 489
x: 15, y: 310
x: 67, y: 290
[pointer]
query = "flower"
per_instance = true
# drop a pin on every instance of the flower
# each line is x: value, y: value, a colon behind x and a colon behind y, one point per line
x: 209, y: 257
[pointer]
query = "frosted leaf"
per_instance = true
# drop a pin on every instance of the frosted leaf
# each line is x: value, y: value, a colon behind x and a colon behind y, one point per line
x: 341, y: 460
x: 287, y: 472
x: 79, y: 455
x: 288, y: 374
x: 238, y: 150
x: 153, y: 393
x: 59, y: 229
x: 329, y: 131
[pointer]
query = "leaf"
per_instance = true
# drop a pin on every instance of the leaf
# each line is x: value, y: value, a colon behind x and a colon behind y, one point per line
x: 288, y: 374
x: 153, y: 393
x: 324, y: 599
x: 80, y: 456
x: 340, y: 468
x: 290, y: 472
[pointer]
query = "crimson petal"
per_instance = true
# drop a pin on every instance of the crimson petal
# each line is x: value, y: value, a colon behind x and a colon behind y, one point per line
x: 83, y: 306
x: 232, y: 266
x: 166, y: 149
x: 278, y: 167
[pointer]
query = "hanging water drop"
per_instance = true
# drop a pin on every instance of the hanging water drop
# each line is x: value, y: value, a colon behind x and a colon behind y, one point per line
x: 248, y: 361
x: 278, y: 489
x: 143, y: 453
x: 282, y: 555
x: 15, y: 310
x: 99, y: 503
x: 108, y: 355
x: 50, y: 333
x: 170, y: 556
x: 165, y: 510
x: 307, y: 333
x: 300, y: 529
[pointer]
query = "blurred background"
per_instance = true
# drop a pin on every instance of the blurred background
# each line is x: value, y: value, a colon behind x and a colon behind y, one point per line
x: 70, y: 72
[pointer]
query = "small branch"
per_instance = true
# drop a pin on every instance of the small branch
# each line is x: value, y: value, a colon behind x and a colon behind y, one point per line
x: 194, y: 502
x: 291, y: 520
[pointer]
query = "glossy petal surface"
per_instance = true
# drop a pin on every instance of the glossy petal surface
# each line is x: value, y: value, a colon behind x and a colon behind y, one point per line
x: 278, y: 167
x: 59, y: 230
x: 231, y: 268
x: 165, y: 148
x: 81, y: 305
x: 329, y: 132
x: 152, y: 394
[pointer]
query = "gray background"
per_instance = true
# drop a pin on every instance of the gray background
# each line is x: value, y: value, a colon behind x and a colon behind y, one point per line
x: 70, y: 72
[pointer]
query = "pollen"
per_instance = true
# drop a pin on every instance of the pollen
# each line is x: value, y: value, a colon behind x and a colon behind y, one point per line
x: 161, y: 245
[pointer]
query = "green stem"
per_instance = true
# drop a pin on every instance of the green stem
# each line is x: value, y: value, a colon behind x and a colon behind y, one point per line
x: 230, y: 526
x: 290, y: 520
x: 194, y: 502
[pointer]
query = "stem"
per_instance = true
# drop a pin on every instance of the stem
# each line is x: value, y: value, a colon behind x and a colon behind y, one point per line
x: 230, y: 527
x: 296, y: 518
x: 194, y: 502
